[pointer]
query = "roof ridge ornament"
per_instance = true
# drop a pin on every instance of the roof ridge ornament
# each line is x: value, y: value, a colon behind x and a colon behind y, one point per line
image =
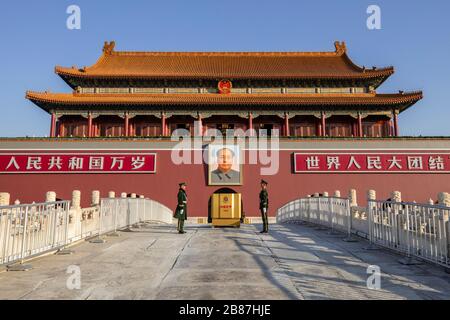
x: 108, y: 47
x: 341, y: 48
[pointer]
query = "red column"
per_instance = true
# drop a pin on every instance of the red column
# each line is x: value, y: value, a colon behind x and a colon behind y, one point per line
x: 200, y: 125
x: 286, y: 125
x: 127, y: 125
x: 250, y: 124
x: 53, y: 125
x: 89, y: 125
x: 360, y: 128
x: 388, y: 125
x: 61, y: 129
x: 131, y: 130
x: 355, y: 128
x: 324, y: 126
x: 396, y: 129
x: 163, y: 124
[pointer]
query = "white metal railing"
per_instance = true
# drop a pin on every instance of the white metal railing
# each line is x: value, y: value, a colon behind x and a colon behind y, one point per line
x: 417, y: 230
x: 137, y: 210
x: 332, y: 212
x: 31, y: 229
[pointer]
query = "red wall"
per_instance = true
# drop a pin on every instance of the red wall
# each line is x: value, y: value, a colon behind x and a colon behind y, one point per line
x: 163, y: 186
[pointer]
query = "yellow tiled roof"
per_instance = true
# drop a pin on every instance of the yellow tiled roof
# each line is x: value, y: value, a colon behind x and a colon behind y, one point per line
x: 223, y: 99
x: 221, y: 65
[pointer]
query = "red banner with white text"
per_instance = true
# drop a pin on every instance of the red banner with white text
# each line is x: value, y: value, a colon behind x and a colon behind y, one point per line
x: 78, y: 163
x: 379, y: 162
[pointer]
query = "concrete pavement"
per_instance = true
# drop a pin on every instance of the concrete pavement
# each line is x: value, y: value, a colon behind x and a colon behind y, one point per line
x: 292, y: 262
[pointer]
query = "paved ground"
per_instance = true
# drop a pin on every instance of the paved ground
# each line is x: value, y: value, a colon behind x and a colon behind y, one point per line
x: 292, y: 262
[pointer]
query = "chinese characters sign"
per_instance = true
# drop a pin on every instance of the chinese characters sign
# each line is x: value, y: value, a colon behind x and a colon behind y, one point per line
x: 77, y: 163
x: 400, y: 162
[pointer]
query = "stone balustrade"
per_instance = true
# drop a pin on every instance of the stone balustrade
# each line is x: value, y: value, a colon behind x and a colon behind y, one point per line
x: 50, y: 196
x: 95, y: 199
x: 4, y: 199
x: 76, y: 200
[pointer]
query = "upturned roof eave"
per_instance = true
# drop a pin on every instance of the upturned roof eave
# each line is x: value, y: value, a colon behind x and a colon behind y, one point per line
x: 365, y: 75
x: 48, y: 101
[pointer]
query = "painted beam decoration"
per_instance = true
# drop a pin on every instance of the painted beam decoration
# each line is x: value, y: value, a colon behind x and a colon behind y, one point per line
x: 372, y: 162
x: 77, y: 162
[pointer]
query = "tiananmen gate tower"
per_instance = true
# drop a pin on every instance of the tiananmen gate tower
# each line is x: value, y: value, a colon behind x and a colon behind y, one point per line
x: 153, y: 93
x: 334, y: 131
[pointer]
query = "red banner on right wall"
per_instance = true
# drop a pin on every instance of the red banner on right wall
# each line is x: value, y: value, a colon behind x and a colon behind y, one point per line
x: 379, y: 162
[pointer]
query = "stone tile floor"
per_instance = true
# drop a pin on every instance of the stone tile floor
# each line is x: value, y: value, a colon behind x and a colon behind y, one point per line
x: 291, y: 262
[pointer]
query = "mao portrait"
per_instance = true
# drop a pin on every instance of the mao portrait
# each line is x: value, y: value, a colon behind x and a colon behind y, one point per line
x: 224, y: 167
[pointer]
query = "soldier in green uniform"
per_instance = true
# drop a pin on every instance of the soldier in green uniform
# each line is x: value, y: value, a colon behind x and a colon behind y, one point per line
x: 264, y: 205
x: 181, y: 210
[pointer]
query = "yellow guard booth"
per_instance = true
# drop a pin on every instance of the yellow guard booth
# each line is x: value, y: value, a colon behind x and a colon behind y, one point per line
x: 226, y: 210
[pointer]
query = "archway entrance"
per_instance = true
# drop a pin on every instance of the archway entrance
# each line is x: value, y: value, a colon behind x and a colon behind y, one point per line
x: 228, y: 204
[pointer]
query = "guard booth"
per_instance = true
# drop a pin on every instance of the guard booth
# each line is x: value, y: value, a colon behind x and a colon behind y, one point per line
x: 226, y: 209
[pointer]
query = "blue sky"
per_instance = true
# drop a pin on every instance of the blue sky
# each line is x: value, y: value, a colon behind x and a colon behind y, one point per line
x: 415, y: 38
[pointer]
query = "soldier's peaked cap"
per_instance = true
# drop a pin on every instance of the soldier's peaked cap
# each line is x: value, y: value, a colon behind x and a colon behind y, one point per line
x: 182, y: 184
x: 264, y: 181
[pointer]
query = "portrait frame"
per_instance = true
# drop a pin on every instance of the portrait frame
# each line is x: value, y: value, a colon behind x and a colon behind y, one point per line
x: 235, y: 176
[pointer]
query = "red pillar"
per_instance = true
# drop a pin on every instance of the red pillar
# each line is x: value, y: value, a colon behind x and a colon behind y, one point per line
x: 53, y: 125
x: 61, y: 129
x: 286, y: 125
x: 355, y: 128
x: 324, y: 126
x: 127, y: 125
x: 200, y: 125
x: 360, y: 128
x: 163, y: 124
x: 250, y: 124
x: 89, y: 125
x: 396, y: 129
x: 388, y: 126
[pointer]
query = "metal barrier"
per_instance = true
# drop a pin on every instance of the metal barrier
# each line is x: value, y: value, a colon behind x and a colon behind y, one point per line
x: 32, y: 229
x: 417, y: 230
x: 330, y: 212
x: 124, y: 212
x: 120, y: 213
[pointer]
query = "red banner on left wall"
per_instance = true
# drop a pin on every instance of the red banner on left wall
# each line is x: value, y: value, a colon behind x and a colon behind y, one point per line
x: 78, y: 163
